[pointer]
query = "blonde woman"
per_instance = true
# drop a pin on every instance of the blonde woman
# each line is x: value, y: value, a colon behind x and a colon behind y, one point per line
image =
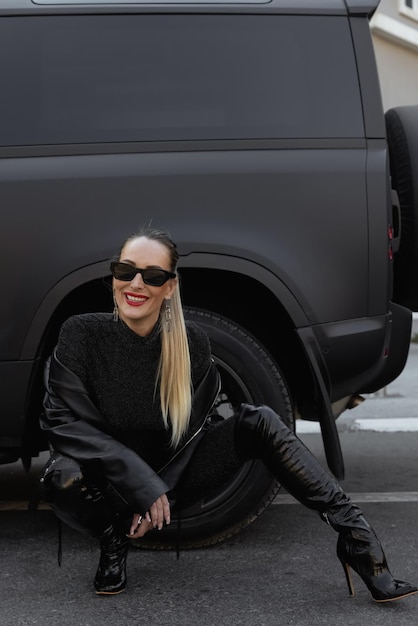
x: 126, y: 413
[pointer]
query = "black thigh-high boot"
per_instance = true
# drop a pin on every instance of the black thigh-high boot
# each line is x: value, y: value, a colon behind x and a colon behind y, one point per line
x: 260, y: 433
x: 111, y: 574
x: 83, y: 507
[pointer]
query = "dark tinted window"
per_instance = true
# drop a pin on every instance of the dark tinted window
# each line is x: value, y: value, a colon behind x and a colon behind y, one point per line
x: 77, y: 79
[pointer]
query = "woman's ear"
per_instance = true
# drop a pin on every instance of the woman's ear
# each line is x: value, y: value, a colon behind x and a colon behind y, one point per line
x: 172, y: 287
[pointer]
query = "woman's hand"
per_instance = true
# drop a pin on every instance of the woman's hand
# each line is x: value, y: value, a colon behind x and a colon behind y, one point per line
x: 158, y: 513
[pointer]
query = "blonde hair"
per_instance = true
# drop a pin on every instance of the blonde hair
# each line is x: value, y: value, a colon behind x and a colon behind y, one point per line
x: 174, y: 371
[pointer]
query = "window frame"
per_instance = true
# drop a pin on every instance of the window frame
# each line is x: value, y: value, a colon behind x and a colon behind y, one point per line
x: 409, y: 11
x: 310, y: 125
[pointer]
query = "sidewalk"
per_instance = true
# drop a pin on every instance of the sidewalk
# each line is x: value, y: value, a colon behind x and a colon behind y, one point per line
x: 391, y: 409
x: 414, y: 325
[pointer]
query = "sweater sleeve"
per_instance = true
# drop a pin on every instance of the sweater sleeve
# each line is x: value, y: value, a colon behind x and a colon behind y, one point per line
x: 75, y: 428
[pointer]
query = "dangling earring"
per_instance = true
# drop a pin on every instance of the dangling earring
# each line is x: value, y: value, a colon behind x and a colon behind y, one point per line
x: 115, y: 309
x: 167, y: 315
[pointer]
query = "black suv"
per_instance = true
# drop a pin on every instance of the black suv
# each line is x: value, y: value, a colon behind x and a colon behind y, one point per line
x: 254, y: 132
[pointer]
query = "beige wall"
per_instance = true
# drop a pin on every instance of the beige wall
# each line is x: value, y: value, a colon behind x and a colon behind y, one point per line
x: 398, y: 73
x: 395, y: 9
x: 395, y: 39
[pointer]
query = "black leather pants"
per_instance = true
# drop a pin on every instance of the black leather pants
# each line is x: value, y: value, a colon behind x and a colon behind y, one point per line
x: 260, y: 433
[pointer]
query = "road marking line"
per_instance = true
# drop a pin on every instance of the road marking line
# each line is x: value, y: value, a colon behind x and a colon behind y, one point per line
x: 380, y: 496
x: 281, y: 498
x: 20, y: 505
x: 381, y: 425
x: 396, y: 425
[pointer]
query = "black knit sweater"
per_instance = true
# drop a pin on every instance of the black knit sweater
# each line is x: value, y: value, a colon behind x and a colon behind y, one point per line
x: 118, y: 368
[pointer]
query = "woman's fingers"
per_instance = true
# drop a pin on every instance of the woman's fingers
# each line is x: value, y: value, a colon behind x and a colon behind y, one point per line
x: 166, y: 509
x: 139, y: 530
x: 160, y: 512
x: 156, y: 512
x: 136, y: 522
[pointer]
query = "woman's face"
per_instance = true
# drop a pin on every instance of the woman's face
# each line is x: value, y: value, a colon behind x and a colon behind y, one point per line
x: 139, y: 304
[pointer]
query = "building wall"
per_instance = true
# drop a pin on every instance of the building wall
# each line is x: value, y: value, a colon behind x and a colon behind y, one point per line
x: 394, y: 29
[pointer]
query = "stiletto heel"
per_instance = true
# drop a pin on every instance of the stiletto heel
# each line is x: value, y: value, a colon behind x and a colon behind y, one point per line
x: 348, y: 578
x: 363, y: 553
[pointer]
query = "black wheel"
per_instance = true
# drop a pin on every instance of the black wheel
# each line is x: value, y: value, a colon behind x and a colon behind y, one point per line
x: 402, y: 135
x: 248, y: 374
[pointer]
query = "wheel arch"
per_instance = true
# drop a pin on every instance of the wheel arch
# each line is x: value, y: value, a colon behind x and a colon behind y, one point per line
x: 253, y: 306
x: 245, y: 293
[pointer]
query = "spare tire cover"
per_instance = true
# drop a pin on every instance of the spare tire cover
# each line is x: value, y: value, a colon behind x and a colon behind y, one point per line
x: 402, y: 136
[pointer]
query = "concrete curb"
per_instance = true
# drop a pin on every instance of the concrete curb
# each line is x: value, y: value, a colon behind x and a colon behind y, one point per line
x: 380, y: 425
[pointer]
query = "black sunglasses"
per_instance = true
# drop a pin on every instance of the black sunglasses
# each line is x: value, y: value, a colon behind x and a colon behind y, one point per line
x: 151, y: 276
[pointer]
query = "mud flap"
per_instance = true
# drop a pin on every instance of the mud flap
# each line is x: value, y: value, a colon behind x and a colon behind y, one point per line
x: 329, y: 432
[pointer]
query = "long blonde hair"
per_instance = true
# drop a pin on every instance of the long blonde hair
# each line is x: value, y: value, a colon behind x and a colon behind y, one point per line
x: 174, y: 370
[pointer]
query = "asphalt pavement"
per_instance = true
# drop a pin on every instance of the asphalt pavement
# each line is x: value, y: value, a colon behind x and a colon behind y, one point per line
x: 281, y: 571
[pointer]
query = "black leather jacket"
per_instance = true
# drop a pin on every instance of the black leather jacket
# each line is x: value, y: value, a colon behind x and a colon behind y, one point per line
x: 76, y: 429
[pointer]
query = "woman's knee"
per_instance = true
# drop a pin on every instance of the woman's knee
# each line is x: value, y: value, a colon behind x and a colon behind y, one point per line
x: 254, y: 426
